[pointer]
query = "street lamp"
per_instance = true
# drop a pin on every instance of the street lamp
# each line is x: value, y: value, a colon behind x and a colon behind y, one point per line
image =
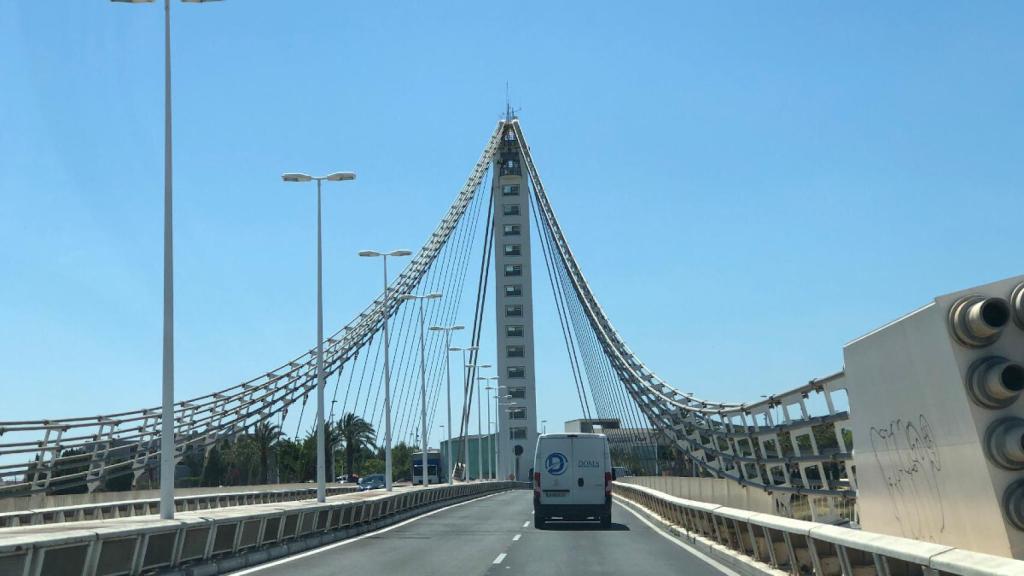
x: 508, y: 406
x: 479, y: 445
x: 465, y: 409
x: 387, y: 370
x: 423, y: 377
x: 544, y: 426
x: 321, y: 468
x: 167, y: 385
x: 497, y: 428
x: 448, y: 375
x: 488, y: 379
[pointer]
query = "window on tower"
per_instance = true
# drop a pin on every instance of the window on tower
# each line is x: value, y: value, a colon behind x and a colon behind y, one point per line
x: 515, y: 351
x: 511, y: 229
x: 517, y: 392
x: 513, y: 249
x: 517, y: 433
x: 516, y: 372
x: 510, y: 209
x: 513, y: 269
x: 517, y: 414
x: 514, y: 330
x: 513, y: 310
x: 513, y: 289
x: 510, y: 190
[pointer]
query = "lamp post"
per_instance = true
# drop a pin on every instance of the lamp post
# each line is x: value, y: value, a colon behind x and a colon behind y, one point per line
x: 465, y: 407
x: 479, y: 445
x: 448, y: 376
x: 387, y: 370
x: 167, y: 384
x: 508, y: 405
x: 488, y: 379
x: 544, y: 426
x: 321, y: 469
x: 497, y: 427
x: 423, y: 379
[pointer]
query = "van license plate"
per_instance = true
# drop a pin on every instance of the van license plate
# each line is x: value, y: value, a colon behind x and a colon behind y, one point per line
x: 556, y: 493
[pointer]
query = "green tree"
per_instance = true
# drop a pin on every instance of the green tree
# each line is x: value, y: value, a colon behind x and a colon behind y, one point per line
x: 401, y: 461
x: 244, y: 460
x: 266, y: 436
x: 356, y: 434
x: 213, y: 471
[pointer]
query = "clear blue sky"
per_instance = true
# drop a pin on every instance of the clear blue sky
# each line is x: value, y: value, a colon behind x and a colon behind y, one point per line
x: 747, y: 187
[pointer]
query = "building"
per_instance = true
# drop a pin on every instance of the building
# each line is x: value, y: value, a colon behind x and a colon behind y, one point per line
x: 478, y: 443
x: 513, y: 298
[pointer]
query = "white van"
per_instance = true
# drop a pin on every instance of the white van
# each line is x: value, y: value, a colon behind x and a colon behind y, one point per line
x: 572, y: 478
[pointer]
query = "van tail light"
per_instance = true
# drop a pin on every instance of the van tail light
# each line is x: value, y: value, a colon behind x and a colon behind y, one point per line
x: 536, y: 482
x: 607, y: 482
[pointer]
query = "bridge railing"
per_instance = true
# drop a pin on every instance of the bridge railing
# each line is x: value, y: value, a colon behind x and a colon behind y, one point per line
x: 150, y: 506
x: 229, y: 538
x: 801, y: 547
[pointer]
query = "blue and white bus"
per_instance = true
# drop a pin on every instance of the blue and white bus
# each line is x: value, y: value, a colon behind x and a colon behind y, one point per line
x: 435, y: 468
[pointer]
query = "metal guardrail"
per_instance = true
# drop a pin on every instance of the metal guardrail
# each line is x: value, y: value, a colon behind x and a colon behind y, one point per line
x: 799, y: 547
x: 129, y: 546
x: 148, y: 506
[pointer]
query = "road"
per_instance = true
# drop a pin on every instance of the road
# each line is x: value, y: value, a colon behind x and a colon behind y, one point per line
x: 495, y: 535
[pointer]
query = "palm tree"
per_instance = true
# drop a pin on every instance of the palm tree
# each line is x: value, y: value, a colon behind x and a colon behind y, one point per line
x: 357, y: 434
x: 331, y: 439
x: 265, y: 435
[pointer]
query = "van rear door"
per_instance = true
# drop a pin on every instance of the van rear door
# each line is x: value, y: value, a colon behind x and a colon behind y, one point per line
x: 557, y: 482
x: 589, y: 467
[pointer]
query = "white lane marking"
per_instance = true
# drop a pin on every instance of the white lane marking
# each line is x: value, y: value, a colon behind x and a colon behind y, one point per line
x: 526, y: 524
x: 500, y: 558
x: 357, y: 538
x: 700, y: 555
x: 516, y: 537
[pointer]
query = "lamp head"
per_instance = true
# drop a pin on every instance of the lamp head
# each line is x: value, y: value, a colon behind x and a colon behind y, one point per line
x: 335, y: 176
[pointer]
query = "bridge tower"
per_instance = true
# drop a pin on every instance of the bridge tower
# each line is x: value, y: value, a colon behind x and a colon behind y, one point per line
x: 513, y: 299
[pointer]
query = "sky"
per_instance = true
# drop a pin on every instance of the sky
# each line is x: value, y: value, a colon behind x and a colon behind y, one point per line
x: 746, y: 186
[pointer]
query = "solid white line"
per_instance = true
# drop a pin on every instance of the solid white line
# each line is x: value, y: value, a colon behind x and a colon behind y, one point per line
x: 356, y: 539
x: 500, y: 558
x: 516, y: 537
x: 700, y: 555
x: 526, y: 524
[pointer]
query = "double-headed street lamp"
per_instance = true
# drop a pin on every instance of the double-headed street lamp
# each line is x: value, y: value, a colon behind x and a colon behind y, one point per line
x: 489, y: 379
x: 465, y: 414
x: 387, y: 369
x: 479, y: 426
x: 167, y: 412
x: 423, y: 377
x: 321, y: 465
x: 497, y: 422
x: 448, y: 375
x: 508, y: 406
x: 479, y: 448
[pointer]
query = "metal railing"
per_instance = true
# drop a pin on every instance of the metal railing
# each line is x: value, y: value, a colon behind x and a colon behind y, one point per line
x: 134, y: 547
x: 149, y: 506
x: 803, y: 548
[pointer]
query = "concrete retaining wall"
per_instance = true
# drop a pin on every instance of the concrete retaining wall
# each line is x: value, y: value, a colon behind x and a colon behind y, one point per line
x: 210, y: 538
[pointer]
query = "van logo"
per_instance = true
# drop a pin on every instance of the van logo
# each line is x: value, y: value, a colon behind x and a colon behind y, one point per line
x: 555, y: 463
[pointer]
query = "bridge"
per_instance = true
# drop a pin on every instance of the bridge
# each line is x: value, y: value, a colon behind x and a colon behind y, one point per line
x: 906, y: 458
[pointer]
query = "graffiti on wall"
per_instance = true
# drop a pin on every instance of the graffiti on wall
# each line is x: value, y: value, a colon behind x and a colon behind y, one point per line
x: 906, y: 454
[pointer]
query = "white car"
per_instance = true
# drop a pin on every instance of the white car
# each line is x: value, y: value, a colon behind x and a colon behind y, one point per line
x: 572, y: 478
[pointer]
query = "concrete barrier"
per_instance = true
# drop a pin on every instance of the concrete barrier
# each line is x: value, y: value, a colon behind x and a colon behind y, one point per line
x: 128, y: 507
x: 757, y: 543
x: 213, y: 540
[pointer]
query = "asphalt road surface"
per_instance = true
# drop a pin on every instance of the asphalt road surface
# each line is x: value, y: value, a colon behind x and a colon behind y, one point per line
x: 495, y: 535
